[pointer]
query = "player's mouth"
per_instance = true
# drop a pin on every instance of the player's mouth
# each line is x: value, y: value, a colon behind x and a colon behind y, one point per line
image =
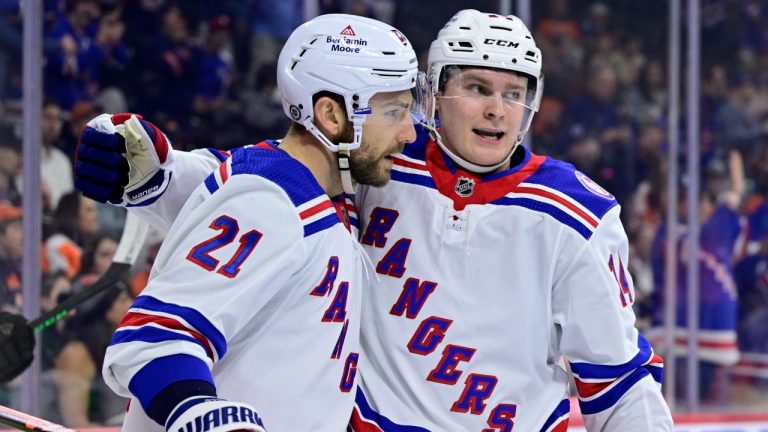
x: 489, y: 134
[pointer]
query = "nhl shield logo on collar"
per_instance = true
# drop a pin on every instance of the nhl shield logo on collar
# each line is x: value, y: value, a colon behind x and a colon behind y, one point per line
x: 464, y: 187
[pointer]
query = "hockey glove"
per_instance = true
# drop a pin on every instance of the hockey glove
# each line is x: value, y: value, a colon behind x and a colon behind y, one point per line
x: 122, y: 159
x: 17, y: 345
x: 214, y: 415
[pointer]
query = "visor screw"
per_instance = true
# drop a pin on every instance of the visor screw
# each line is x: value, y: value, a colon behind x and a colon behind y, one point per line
x: 355, y: 97
x: 514, y: 60
x: 485, y: 56
x: 355, y: 105
x: 301, y: 106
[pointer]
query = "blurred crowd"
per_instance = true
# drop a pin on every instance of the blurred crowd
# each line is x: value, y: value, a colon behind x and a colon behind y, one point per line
x: 204, y: 72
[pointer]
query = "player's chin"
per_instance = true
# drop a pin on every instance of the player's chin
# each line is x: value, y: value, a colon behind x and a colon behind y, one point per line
x: 383, y: 172
x: 488, y: 155
x: 375, y: 173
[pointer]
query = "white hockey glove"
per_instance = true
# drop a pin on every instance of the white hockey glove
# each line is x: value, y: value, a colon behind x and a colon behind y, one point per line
x: 213, y: 415
x: 130, y: 171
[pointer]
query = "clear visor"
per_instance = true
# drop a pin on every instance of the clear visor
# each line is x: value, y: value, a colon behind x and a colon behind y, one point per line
x: 405, y: 107
x: 483, y: 85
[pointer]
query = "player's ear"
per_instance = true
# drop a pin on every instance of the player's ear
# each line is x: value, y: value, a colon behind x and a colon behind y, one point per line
x: 329, y: 116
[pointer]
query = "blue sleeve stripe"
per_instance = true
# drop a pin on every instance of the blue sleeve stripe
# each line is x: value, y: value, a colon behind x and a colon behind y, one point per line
x: 217, y: 154
x: 610, y: 397
x: 321, y: 224
x: 549, y: 209
x: 562, y: 411
x: 656, y: 372
x: 191, y: 316
x: 385, y: 424
x: 151, y: 335
x: 161, y: 372
x: 593, y: 371
x: 565, y: 178
x: 421, y: 180
x: 211, y: 184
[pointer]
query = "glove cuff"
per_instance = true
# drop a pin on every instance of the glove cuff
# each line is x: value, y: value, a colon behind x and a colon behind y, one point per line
x: 213, y: 415
x: 148, y: 190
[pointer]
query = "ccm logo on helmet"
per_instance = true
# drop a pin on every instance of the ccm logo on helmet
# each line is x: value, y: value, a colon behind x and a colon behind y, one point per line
x: 501, y: 43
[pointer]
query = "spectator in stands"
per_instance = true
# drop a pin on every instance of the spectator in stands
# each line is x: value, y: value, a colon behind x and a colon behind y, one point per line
x: 546, y: 128
x: 271, y: 23
x: 78, y: 117
x: 97, y: 259
x: 55, y: 288
x: 752, y: 36
x: 75, y: 226
x: 596, y: 112
x: 559, y: 39
x: 172, y: 71
x: 646, y: 102
x: 55, y: 166
x: 714, y: 92
x: 751, y: 373
x: 734, y: 125
x: 264, y: 107
x: 141, y: 277
x: 558, y: 24
x: 10, y: 42
x: 215, y: 70
x: 10, y: 258
x: 84, y: 398
x: 115, y: 51
x: 721, y: 230
x: 77, y: 218
x: 71, y: 75
x: 10, y: 166
x: 219, y: 119
x: 60, y: 253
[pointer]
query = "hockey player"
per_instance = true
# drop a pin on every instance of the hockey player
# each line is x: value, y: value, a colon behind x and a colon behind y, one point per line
x: 496, y: 266
x: 251, y: 318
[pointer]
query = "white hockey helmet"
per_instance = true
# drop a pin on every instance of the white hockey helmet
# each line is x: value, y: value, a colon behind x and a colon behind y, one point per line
x: 354, y: 57
x: 473, y: 38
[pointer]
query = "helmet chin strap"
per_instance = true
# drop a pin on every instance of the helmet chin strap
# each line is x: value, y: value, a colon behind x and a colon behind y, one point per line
x: 344, y: 169
x: 467, y: 165
x: 342, y: 151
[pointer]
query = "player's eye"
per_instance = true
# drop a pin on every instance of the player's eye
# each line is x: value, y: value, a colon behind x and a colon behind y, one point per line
x: 478, y: 89
x: 513, y: 96
x: 394, y: 114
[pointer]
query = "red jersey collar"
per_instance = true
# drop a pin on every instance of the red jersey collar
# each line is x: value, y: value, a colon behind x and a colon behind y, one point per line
x: 464, y: 187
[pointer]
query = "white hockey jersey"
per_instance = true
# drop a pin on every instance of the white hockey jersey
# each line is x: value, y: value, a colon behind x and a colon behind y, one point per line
x: 256, y: 289
x: 490, y: 289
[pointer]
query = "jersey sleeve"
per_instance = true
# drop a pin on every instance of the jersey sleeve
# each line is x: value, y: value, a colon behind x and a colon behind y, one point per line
x: 616, y: 372
x: 224, y: 259
x: 188, y: 170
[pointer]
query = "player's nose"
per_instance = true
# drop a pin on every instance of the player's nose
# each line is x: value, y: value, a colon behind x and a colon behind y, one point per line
x: 407, y: 134
x: 493, y: 107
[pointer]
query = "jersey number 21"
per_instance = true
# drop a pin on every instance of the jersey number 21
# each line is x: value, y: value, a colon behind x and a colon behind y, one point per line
x: 228, y: 227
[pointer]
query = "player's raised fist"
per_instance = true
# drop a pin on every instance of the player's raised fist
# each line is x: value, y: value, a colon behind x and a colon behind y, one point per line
x: 122, y: 159
x: 205, y: 413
